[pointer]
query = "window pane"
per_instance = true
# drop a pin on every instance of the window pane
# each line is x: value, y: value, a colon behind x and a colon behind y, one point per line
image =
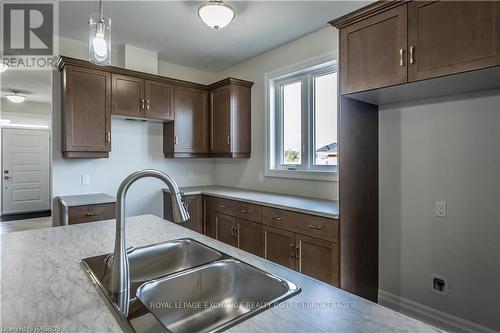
x: 292, y: 123
x: 325, y: 102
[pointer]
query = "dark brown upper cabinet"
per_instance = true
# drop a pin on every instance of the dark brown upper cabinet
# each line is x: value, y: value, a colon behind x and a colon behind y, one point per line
x: 159, y: 100
x: 447, y: 37
x: 373, y: 51
x: 192, y: 127
x: 230, y: 118
x: 389, y: 43
x: 85, y: 113
x: 187, y: 135
x: 128, y: 96
x: 138, y: 98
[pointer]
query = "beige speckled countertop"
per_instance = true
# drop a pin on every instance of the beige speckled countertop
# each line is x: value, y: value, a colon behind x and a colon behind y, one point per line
x: 42, y: 284
x: 319, y: 207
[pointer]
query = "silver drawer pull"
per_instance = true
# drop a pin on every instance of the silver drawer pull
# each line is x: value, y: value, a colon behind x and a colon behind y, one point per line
x: 91, y: 214
x: 222, y: 206
x: 246, y: 211
x: 277, y: 218
x: 292, y: 250
x: 401, y: 59
x: 315, y: 227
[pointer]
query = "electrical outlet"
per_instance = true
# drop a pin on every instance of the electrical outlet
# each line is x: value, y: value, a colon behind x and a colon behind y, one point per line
x: 439, y: 285
x: 261, y: 177
x: 190, y: 175
x: 441, y: 209
x: 85, y: 179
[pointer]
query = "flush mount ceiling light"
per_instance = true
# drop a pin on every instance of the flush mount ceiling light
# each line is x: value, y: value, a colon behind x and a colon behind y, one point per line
x: 3, y: 67
x: 15, y: 97
x: 100, y: 38
x: 216, y: 14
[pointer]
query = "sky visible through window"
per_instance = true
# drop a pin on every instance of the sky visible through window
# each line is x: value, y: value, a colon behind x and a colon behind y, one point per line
x: 325, y: 121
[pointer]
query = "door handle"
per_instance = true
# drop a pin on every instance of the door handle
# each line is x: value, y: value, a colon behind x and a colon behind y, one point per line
x: 412, y: 59
x: 315, y: 227
x: 297, y: 252
x: 401, y: 59
x: 237, y: 232
x: 147, y: 104
x: 292, y: 251
x: 232, y: 231
x: 142, y: 103
x: 277, y: 218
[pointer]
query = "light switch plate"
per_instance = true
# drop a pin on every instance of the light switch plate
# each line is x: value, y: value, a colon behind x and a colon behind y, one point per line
x: 441, y: 209
x: 85, y: 179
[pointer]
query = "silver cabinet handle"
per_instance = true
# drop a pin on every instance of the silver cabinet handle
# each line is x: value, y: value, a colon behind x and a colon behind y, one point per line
x: 297, y: 252
x: 401, y: 59
x: 228, y: 140
x: 176, y: 140
x: 277, y: 218
x: 147, y: 104
x: 244, y: 211
x: 315, y: 227
x: 142, y: 103
x: 237, y: 232
x: 108, y: 137
x: 412, y: 59
x: 292, y: 251
x: 222, y: 206
x: 232, y: 231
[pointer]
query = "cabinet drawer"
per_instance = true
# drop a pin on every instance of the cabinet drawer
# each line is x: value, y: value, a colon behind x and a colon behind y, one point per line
x: 91, y: 213
x: 239, y: 209
x: 310, y: 225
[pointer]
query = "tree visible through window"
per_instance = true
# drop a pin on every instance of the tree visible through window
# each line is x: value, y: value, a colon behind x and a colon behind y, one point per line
x: 306, y: 120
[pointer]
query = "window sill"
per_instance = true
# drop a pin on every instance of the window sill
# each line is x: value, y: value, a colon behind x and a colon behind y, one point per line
x: 329, y: 176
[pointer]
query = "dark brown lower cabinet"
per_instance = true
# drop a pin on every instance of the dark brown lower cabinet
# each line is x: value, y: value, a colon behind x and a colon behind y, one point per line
x: 311, y: 256
x: 279, y: 246
x: 240, y: 233
x: 317, y: 258
x: 195, y: 209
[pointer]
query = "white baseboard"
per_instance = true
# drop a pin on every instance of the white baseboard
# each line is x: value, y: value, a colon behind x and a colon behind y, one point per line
x: 430, y: 315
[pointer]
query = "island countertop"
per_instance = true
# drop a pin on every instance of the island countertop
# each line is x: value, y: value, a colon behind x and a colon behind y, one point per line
x: 313, y: 206
x: 43, y: 284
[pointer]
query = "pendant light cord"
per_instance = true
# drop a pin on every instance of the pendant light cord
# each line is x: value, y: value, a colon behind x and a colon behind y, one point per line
x: 101, y: 10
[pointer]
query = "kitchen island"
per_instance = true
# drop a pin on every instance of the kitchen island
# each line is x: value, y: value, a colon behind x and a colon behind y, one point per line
x: 43, y: 285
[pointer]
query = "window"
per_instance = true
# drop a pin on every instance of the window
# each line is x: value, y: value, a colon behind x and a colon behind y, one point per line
x: 303, y: 131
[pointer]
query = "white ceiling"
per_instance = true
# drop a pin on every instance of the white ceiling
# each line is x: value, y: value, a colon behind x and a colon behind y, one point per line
x: 174, y: 30
x: 36, y: 85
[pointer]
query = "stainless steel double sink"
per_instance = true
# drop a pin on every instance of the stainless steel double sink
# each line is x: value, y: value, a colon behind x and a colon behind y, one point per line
x: 186, y: 286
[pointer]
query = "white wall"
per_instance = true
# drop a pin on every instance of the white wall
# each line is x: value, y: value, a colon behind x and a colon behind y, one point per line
x: 135, y: 145
x: 245, y: 172
x: 445, y: 149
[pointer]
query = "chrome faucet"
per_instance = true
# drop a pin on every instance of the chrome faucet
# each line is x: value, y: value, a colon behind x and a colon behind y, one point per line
x: 120, y: 273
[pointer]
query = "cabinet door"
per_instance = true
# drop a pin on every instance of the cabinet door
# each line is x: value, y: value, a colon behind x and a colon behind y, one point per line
x: 249, y: 236
x: 220, y: 118
x: 224, y: 229
x: 318, y: 259
x: 373, y: 51
x: 279, y: 246
x: 209, y: 216
x: 86, y: 114
x: 128, y: 96
x: 447, y: 37
x: 159, y: 97
x: 191, y: 121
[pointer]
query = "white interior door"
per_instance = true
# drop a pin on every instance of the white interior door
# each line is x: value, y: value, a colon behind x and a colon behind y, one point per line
x: 25, y: 170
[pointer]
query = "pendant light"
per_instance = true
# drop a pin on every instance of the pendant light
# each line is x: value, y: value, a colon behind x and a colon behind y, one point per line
x: 216, y: 14
x: 100, y: 38
x: 15, y: 97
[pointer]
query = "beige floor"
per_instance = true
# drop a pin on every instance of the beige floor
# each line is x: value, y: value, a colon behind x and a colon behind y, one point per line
x: 28, y: 224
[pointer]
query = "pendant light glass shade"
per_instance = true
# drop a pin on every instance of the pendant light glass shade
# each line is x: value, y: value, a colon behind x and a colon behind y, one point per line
x: 216, y: 14
x: 100, y: 40
x: 15, y: 97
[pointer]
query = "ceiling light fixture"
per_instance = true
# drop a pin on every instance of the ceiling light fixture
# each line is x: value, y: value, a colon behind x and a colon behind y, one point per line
x: 216, y: 14
x: 15, y: 97
x: 100, y: 38
x: 3, y: 67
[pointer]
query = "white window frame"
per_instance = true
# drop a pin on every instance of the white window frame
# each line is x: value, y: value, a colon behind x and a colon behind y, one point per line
x: 305, y: 73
